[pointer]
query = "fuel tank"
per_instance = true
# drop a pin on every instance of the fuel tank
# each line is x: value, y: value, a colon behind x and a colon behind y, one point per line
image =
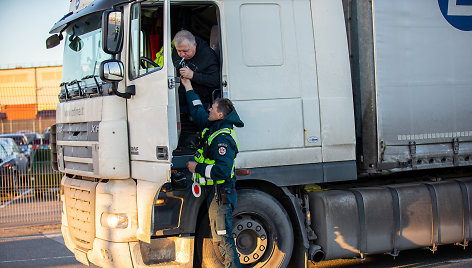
x: 387, y: 219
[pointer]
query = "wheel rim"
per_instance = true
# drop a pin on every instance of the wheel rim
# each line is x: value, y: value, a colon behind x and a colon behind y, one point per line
x: 250, y: 238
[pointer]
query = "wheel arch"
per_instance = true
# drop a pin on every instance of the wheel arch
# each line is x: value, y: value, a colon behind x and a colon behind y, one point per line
x: 287, y: 199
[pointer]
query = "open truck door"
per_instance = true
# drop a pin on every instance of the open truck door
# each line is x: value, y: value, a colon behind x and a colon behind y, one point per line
x: 152, y: 111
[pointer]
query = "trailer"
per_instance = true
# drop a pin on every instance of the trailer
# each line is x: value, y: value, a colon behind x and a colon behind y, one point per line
x: 357, y: 136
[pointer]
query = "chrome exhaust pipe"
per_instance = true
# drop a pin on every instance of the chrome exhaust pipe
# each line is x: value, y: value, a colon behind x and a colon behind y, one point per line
x: 315, y: 253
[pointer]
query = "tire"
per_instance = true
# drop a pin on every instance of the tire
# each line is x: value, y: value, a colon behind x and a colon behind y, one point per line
x: 262, y: 230
x: 10, y: 184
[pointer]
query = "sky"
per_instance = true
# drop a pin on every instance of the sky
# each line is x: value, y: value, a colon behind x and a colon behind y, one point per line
x: 24, y: 29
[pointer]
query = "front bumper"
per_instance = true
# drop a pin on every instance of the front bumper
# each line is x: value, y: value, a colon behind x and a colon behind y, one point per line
x: 162, y: 252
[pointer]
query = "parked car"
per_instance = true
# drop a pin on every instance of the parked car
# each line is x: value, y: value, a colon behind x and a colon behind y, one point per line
x: 46, y: 137
x: 42, y: 177
x: 34, y: 139
x: 21, y: 140
x: 47, y: 133
x: 13, y: 164
x: 30, y: 136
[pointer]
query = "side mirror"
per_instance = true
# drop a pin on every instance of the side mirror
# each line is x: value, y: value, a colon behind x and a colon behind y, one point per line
x: 112, y: 71
x: 76, y: 43
x: 112, y: 32
x: 53, y: 41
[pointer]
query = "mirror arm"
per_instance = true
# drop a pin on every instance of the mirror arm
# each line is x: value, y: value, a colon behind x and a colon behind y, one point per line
x: 131, y: 90
x: 114, y: 88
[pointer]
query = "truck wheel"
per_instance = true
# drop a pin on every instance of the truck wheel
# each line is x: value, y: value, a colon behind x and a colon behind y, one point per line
x: 262, y: 231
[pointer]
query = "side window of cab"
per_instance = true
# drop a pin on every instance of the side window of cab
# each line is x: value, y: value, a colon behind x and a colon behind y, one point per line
x: 146, y: 40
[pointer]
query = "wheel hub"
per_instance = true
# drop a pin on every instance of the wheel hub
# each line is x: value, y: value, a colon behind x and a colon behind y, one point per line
x: 250, y: 238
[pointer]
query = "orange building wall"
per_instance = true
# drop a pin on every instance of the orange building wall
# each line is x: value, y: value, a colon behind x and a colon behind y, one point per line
x: 20, y: 111
x: 25, y: 91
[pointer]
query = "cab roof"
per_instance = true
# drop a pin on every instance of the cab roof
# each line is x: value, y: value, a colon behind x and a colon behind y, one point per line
x: 95, y: 6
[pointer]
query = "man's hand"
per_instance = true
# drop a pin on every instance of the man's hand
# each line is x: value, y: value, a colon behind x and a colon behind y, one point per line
x: 191, y: 166
x: 186, y: 73
x: 186, y: 82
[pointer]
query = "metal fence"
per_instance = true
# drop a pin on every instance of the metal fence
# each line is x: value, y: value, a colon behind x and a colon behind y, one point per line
x: 33, y: 125
x: 30, y: 188
x: 32, y: 197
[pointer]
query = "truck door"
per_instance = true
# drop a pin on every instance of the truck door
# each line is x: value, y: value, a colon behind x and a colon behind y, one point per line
x: 151, y: 111
x: 152, y: 117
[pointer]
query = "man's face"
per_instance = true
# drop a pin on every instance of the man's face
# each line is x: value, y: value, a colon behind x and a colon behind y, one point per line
x: 185, y: 50
x: 213, y: 113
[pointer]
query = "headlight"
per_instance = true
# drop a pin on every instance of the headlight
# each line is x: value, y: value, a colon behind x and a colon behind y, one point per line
x: 113, y: 220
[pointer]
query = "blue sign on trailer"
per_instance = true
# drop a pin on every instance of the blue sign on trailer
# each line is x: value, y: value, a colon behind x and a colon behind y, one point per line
x: 458, y: 13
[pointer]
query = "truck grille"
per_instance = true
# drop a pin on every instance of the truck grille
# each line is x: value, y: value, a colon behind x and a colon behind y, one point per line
x: 80, y: 210
x: 77, y: 148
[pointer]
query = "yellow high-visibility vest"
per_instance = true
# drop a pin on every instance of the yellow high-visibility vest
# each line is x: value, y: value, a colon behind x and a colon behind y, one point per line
x: 200, y: 158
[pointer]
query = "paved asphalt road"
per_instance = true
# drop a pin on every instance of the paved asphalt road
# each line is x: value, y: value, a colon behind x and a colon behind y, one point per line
x: 446, y: 256
x: 43, y: 246
x: 36, y: 251
x: 40, y: 246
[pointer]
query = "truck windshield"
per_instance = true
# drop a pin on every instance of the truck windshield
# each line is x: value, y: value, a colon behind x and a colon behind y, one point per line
x: 83, y: 49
